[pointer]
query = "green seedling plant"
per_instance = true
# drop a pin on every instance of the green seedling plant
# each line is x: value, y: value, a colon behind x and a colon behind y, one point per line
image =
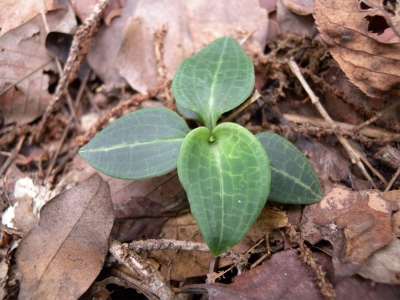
x: 226, y: 171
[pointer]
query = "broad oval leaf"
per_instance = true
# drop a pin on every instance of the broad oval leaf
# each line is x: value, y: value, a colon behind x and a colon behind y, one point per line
x: 140, y: 145
x: 226, y: 176
x: 215, y: 80
x: 294, y: 180
x: 63, y: 254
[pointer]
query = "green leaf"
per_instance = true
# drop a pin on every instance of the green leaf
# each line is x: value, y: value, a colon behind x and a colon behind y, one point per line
x: 140, y: 145
x: 294, y: 180
x: 226, y: 176
x: 215, y: 80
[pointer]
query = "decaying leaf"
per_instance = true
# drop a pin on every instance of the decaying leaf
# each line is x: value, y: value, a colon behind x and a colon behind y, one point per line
x: 25, y: 67
x: 188, y: 264
x: 190, y: 27
x: 290, y: 22
x: 394, y: 196
x: 357, y: 224
x: 300, y: 7
x: 363, y: 37
x: 102, y: 57
x: 287, y: 277
x: 384, y: 265
x: 16, y: 13
x: 142, y: 207
x: 62, y: 255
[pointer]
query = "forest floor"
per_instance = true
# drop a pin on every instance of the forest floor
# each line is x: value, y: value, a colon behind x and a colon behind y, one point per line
x: 59, y: 87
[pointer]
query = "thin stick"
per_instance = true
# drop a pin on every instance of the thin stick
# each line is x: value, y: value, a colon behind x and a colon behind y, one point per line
x: 134, y: 283
x: 377, y: 116
x: 395, y: 176
x: 376, y: 133
x: 77, y: 53
x: 322, y: 281
x: 253, y: 99
x: 150, y: 276
x: 166, y: 244
x: 354, y: 157
x: 59, y: 68
x: 13, y: 155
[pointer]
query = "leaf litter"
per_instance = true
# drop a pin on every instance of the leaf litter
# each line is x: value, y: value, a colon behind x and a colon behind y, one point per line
x: 352, y: 235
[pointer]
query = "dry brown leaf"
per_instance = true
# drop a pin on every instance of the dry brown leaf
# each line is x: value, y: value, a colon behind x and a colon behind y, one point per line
x: 191, y: 25
x: 290, y: 22
x: 188, y: 264
x: 62, y: 255
x: 24, y: 63
x: 363, y: 37
x: 329, y: 163
x: 142, y: 207
x: 300, y: 7
x: 16, y: 13
x: 357, y: 224
x: 395, y: 197
x: 102, y: 57
x: 384, y: 265
x: 287, y: 277
x: 283, y: 277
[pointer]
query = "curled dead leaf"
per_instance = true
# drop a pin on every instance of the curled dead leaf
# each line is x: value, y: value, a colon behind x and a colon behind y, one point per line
x: 363, y: 37
x: 300, y: 7
x: 63, y: 254
x: 357, y: 224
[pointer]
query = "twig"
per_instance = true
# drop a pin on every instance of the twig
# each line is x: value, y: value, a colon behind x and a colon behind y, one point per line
x: 377, y: 116
x: 166, y: 244
x: 68, y: 127
x: 354, y: 157
x: 146, y: 272
x: 253, y: 99
x: 136, y: 284
x: 324, y: 285
x: 13, y: 155
x: 78, y: 51
x: 376, y: 133
x: 373, y: 170
x: 395, y: 176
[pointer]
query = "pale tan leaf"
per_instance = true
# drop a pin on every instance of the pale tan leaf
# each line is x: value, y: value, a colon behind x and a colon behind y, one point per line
x: 63, y: 254
x: 191, y: 25
x: 384, y: 265
x: 23, y: 65
x: 14, y: 13
x: 300, y: 7
x: 363, y: 37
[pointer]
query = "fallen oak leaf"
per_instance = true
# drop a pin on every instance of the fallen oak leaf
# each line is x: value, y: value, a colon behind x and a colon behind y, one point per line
x: 63, y: 254
x: 360, y: 39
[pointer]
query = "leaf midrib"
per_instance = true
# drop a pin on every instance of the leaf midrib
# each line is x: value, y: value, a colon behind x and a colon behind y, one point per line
x: 123, y: 146
x: 221, y: 191
x: 212, y: 97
